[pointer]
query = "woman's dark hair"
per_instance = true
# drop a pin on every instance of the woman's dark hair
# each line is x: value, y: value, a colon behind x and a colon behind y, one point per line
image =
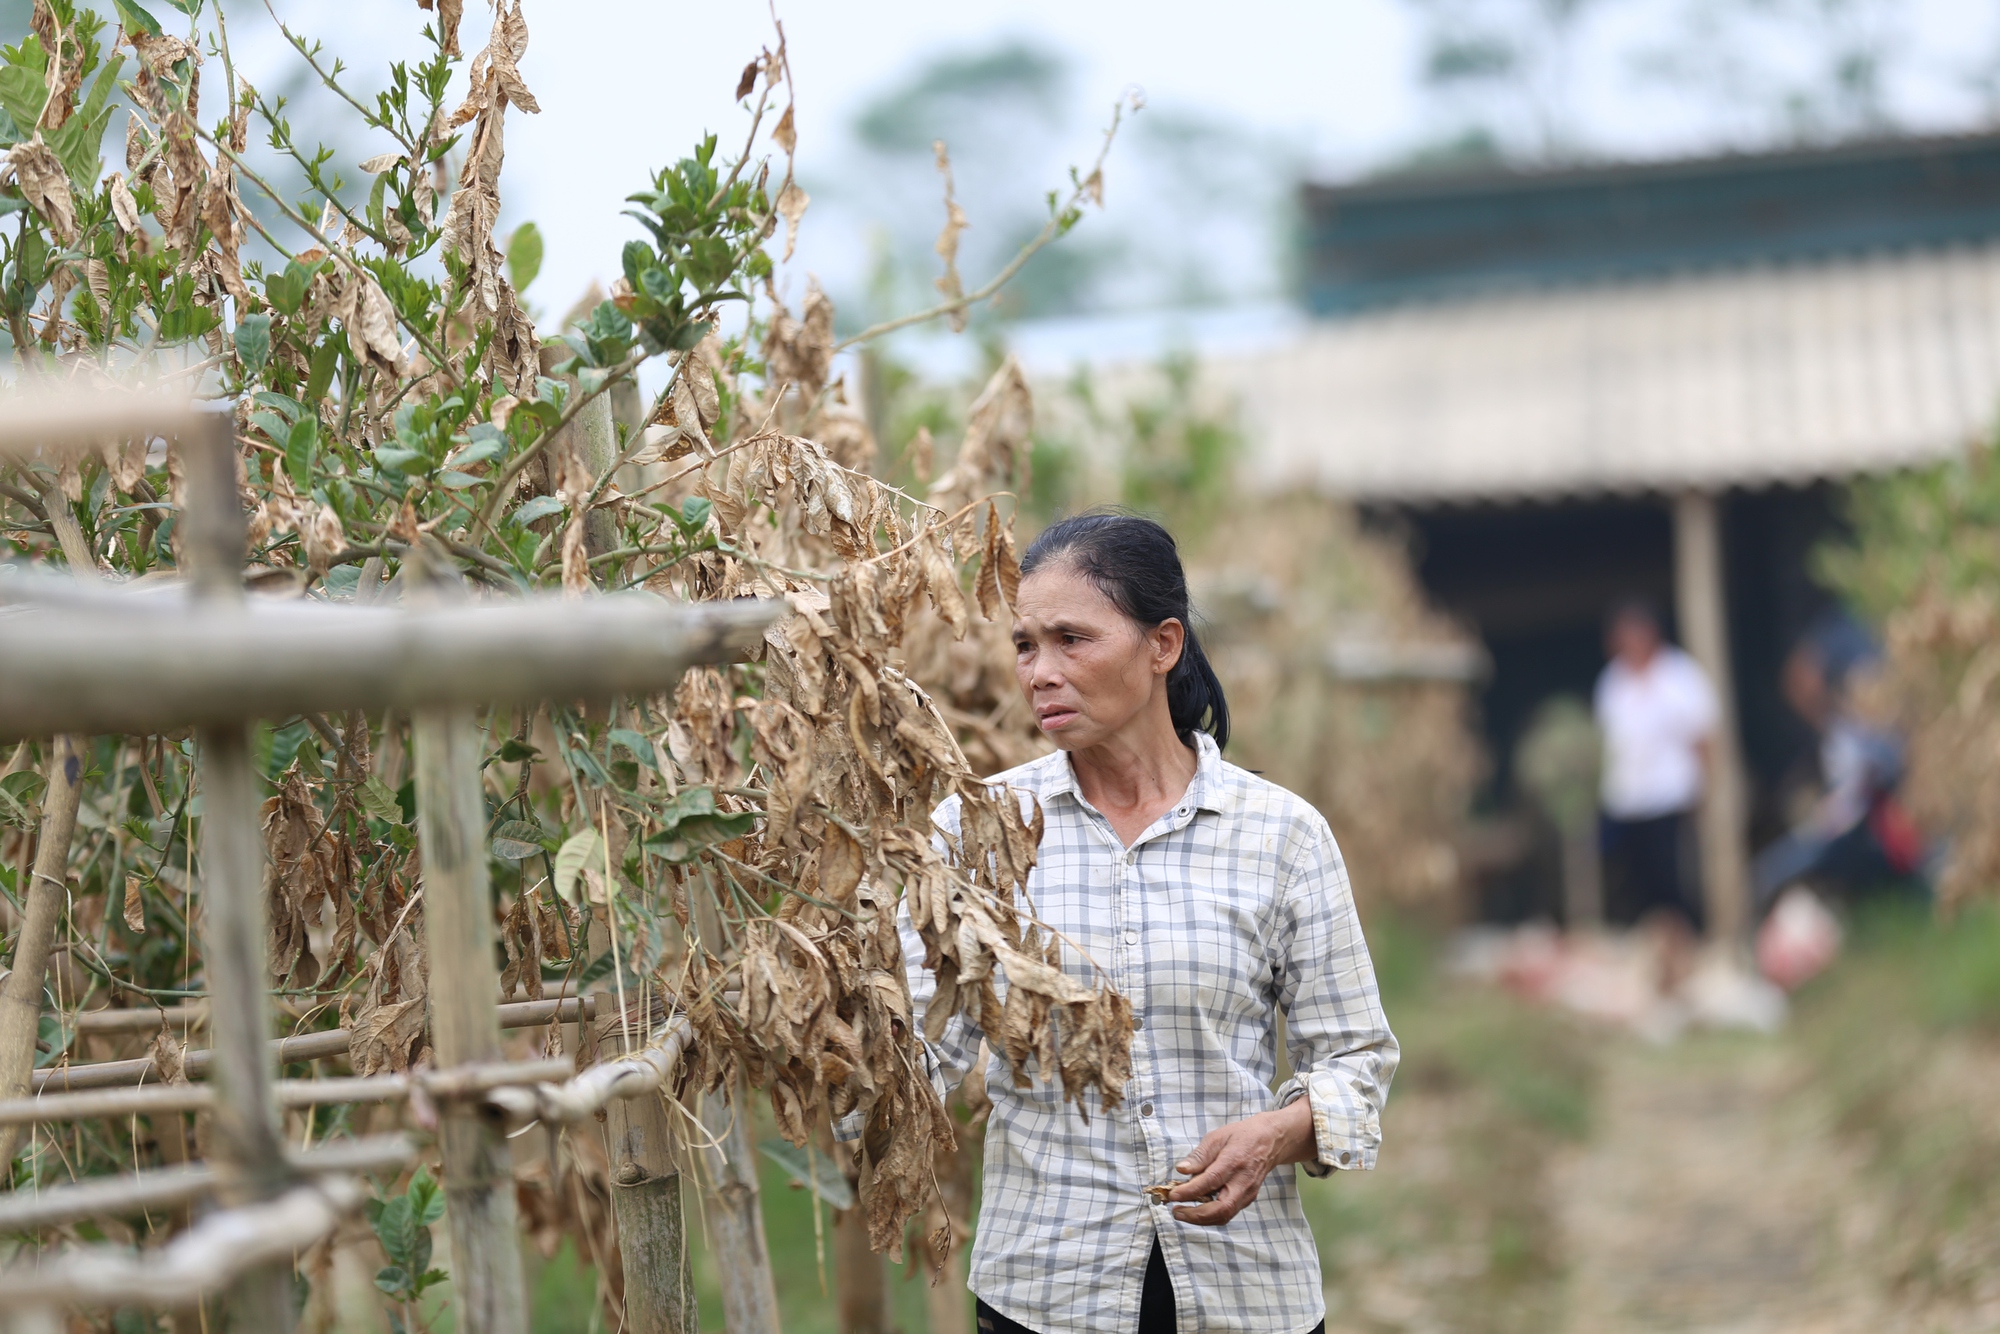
x: 1134, y: 562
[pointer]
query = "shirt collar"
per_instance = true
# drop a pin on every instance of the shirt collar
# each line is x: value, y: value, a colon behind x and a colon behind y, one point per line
x: 1056, y: 776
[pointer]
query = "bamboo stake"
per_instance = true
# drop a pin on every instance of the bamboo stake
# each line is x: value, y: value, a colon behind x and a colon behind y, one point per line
x: 139, y: 665
x: 473, y: 1081
x: 249, y: 1146
x: 21, y: 996
x: 465, y: 1023
x: 48, y: 881
x: 652, y: 1229
x: 170, y: 1187
x: 305, y: 1047
x: 223, y: 1249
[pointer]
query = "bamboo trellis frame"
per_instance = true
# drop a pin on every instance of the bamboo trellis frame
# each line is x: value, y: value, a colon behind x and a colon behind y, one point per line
x: 78, y: 661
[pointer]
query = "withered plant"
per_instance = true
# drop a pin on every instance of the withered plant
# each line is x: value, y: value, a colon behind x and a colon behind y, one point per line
x: 736, y: 853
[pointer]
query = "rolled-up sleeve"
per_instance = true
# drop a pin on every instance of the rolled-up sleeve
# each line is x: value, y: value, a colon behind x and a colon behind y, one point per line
x: 1342, y: 1052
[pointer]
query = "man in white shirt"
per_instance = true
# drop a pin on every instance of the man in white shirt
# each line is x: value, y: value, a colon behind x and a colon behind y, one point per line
x: 1657, y: 713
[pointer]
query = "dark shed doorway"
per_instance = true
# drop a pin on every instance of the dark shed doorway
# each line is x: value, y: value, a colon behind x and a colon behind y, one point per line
x: 1535, y: 580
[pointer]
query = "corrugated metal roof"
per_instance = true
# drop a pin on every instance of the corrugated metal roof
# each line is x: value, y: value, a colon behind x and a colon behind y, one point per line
x: 1740, y: 377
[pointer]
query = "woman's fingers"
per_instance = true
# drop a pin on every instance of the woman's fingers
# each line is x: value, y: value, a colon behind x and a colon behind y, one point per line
x: 1233, y: 1199
x: 1207, y: 1166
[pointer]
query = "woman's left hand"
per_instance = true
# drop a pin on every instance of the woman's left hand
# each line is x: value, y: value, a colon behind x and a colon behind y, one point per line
x: 1228, y: 1167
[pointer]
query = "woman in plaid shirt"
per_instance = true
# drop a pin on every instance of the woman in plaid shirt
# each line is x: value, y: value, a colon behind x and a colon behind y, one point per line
x: 1214, y: 901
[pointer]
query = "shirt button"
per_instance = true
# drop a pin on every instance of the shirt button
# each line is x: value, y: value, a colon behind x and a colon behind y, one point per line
x: 1146, y: 1109
x: 1138, y: 1021
x: 1344, y: 1158
x: 1131, y: 937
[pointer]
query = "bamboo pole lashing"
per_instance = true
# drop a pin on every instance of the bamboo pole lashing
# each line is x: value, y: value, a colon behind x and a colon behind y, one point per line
x: 645, y: 1071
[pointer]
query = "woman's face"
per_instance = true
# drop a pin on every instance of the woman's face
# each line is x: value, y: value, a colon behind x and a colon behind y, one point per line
x: 1087, y: 669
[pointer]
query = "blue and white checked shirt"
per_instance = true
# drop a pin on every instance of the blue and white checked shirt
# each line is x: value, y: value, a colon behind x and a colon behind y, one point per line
x: 1231, y: 909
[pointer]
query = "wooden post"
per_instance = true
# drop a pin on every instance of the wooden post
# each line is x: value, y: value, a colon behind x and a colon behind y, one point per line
x: 652, y: 1230
x: 734, y: 1217
x: 1701, y: 599
x: 597, y: 447
x: 489, y: 1287
x: 735, y: 1220
x: 861, y: 1275
x: 248, y: 1139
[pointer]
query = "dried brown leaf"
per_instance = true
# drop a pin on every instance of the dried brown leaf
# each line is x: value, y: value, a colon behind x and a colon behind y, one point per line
x: 791, y: 206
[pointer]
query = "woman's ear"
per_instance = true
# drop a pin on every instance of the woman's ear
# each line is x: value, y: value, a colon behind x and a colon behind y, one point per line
x: 1169, y: 640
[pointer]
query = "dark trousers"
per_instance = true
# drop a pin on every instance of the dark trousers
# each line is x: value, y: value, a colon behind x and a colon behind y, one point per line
x: 1156, y: 1305
x: 1648, y: 868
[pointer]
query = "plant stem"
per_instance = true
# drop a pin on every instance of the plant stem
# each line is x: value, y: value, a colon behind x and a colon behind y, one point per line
x: 1050, y: 232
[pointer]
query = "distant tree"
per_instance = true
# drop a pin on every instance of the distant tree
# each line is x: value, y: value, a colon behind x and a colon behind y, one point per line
x: 1802, y: 71
x: 1504, y: 74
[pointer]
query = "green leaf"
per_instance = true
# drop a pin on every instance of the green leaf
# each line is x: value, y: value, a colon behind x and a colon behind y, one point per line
x: 513, y: 751
x: 22, y: 92
x: 577, y: 852
x: 518, y: 840
x: 641, y: 748
x: 301, y: 444
x: 288, y: 408
x: 479, y: 451
x: 253, y: 343
x: 815, y: 1172
x: 341, y: 581
x: 426, y: 1200
x: 20, y: 793
x: 538, y: 508
x: 451, y: 479
x: 391, y: 459
x: 135, y: 19
x: 524, y: 255
x: 50, y: 1033
x: 191, y: 8
x: 693, y: 823
x: 78, y: 140
x: 392, y: 1279
x: 287, y: 291
x: 694, y: 514
x: 324, y: 362
x: 596, y: 970
x: 379, y: 801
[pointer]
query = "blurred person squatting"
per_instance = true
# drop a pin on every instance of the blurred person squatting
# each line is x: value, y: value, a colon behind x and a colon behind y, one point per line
x: 1855, y: 836
x: 1657, y: 713
x: 1215, y: 902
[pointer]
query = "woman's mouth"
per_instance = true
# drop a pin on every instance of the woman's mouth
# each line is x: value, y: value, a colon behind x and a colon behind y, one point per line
x: 1055, y: 716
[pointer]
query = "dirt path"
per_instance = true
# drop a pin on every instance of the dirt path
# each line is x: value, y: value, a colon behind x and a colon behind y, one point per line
x: 1709, y: 1200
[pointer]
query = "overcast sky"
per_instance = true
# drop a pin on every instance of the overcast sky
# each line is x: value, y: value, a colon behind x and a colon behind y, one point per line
x: 628, y: 86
